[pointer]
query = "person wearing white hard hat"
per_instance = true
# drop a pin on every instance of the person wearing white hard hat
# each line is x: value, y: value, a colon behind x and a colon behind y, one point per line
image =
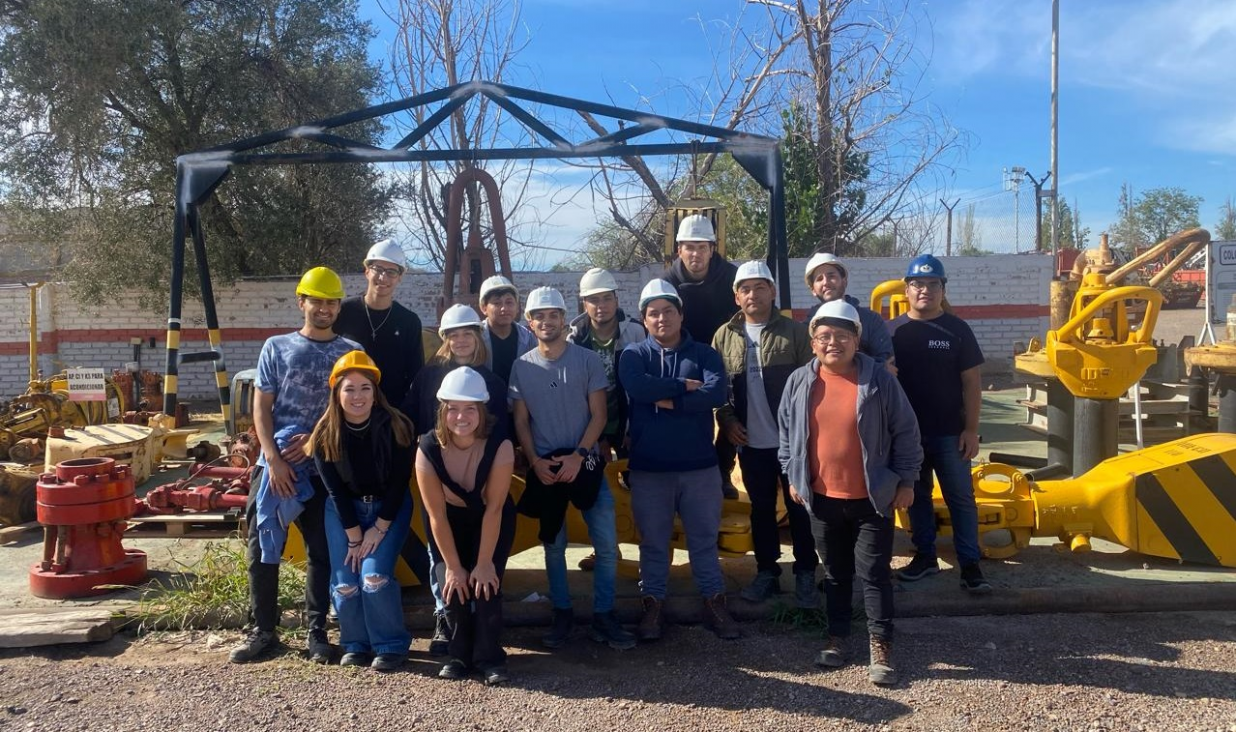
x: 506, y: 339
x: 849, y: 443
x: 463, y: 473
x: 827, y: 277
x: 557, y: 392
x: 389, y: 332
x: 761, y: 348
x: 674, y: 383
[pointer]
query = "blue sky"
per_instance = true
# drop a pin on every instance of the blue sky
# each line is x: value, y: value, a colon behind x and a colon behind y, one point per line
x: 1146, y: 87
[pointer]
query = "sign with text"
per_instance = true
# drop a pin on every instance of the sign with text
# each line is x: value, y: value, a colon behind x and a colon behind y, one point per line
x: 1220, y: 280
x: 87, y: 385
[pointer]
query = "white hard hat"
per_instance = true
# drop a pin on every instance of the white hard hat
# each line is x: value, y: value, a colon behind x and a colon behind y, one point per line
x: 386, y: 251
x: 755, y: 270
x: 458, y: 316
x: 818, y: 260
x: 545, y: 298
x: 595, y: 281
x: 696, y: 227
x: 497, y: 283
x: 658, y: 289
x: 839, y: 309
x: 463, y: 385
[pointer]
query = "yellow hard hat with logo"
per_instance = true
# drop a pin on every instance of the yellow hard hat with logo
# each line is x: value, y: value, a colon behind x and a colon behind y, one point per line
x: 321, y: 282
x: 355, y: 361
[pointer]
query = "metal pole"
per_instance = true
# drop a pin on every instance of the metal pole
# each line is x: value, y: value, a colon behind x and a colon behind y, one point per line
x: 34, y: 330
x: 1096, y: 429
x: 1227, y: 403
x: 1038, y: 209
x: 1055, y: 117
x: 1059, y: 425
x: 948, y: 237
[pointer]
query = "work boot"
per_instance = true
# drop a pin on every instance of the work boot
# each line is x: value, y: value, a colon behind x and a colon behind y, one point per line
x: 606, y: 629
x: 559, y: 629
x: 589, y: 562
x: 972, y: 580
x: 495, y: 675
x: 919, y: 567
x: 806, y: 594
x: 728, y: 491
x: 651, y: 625
x: 765, y: 585
x: 833, y: 654
x: 717, y: 617
x: 440, y: 644
x: 881, y: 671
x: 453, y: 669
x: 355, y: 658
x: 320, y: 649
x: 255, y: 644
x: 388, y: 661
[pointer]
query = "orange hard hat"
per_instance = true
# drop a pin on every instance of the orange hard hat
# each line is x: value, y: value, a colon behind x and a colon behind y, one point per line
x: 355, y: 361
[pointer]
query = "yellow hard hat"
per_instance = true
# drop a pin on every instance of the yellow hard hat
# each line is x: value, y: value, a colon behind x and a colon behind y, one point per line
x: 354, y: 361
x: 321, y: 282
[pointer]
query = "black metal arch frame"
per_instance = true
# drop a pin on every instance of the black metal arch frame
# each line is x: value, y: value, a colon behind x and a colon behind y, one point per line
x: 199, y: 173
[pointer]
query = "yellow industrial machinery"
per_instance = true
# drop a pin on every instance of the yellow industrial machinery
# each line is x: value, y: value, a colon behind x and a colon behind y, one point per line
x: 46, y: 404
x: 1176, y: 500
x: 890, y: 296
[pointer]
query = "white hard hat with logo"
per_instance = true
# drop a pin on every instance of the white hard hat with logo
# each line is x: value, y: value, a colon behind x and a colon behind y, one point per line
x: 839, y: 310
x: 458, y: 316
x: 819, y: 259
x: 754, y: 270
x: 497, y: 284
x: 595, y: 281
x: 386, y: 251
x: 463, y: 385
x: 544, y: 298
x: 658, y: 289
x: 696, y: 227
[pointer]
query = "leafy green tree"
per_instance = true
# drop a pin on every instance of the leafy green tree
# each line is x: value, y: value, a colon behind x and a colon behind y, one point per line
x: 1127, y: 232
x: 1162, y: 212
x: 1072, y: 233
x: 98, y: 98
x: 1225, y: 229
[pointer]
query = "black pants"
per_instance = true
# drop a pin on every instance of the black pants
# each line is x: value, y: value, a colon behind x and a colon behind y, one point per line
x: 850, y: 536
x: 726, y: 457
x: 476, y: 626
x: 264, y: 578
x: 761, y: 474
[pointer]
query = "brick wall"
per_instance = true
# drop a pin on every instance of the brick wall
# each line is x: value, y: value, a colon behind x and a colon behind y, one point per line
x: 1004, y: 298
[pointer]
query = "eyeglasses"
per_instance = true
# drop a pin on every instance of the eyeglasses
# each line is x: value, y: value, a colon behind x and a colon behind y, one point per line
x: 840, y: 339
x: 925, y: 285
x: 384, y: 272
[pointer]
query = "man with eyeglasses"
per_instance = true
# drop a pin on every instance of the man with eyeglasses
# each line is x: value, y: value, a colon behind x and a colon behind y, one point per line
x: 760, y: 348
x: 940, y: 371
x: 827, y: 277
x: 389, y: 332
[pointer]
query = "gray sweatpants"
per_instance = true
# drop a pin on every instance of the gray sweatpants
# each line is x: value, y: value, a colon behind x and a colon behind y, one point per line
x: 695, y: 496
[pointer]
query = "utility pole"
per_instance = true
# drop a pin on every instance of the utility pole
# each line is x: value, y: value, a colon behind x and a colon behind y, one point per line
x: 948, y: 237
x: 1012, y: 182
x: 1038, y: 209
x: 1055, y: 119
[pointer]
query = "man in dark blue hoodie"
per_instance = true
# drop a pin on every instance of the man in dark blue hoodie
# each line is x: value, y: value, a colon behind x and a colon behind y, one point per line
x: 674, y: 383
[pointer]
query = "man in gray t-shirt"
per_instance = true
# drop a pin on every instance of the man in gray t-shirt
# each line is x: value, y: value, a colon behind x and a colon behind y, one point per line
x: 558, y: 393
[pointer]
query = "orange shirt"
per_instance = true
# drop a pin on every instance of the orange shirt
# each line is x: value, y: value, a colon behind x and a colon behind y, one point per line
x: 835, y: 457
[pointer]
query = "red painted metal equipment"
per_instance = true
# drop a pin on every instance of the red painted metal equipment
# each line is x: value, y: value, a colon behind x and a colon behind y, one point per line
x: 228, y: 488
x: 84, y: 507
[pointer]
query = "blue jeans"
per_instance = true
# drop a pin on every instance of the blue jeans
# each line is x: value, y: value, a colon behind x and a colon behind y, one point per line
x: 371, y: 613
x: 604, y: 535
x: 695, y: 495
x: 940, y: 454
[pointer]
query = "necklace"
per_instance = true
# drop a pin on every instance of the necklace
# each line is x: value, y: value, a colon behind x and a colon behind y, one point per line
x: 357, y: 428
x: 373, y: 329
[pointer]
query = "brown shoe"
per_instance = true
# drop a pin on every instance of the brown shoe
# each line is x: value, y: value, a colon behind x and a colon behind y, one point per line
x: 717, y: 617
x: 589, y: 562
x: 881, y: 670
x: 833, y: 654
x: 653, y: 621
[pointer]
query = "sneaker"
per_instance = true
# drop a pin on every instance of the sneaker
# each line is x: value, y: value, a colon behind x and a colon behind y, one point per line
x: 355, y: 659
x: 717, y: 617
x: 388, y: 661
x: 833, y: 655
x: 255, y: 644
x: 589, y: 562
x: 453, y: 669
x: 653, y: 621
x: 495, y: 675
x: 440, y: 644
x: 320, y: 649
x: 765, y: 585
x: 919, y: 567
x: 880, y: 670
x: 559, y: 629
x: 806, y: 592
x: 606, y: 629
x: 972, y: 580
x: 728, y: 491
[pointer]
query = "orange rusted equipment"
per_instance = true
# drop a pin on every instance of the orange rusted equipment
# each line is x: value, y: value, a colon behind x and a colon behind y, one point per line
x: 475, y: 262
x: 84, y: 507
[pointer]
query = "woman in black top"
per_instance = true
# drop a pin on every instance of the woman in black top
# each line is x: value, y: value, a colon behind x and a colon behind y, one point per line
x: 363, y: 450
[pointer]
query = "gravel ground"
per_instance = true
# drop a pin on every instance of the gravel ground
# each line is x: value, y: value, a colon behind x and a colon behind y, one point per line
x: 1047, y: 672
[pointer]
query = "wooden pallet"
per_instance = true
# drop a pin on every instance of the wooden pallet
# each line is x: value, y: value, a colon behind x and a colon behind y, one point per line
x: 206, y: 524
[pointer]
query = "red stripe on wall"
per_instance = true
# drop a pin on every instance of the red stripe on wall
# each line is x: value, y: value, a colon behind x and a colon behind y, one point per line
x: 50, y: 341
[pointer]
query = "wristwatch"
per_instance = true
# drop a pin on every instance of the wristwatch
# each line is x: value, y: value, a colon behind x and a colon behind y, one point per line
x: 581, y: 451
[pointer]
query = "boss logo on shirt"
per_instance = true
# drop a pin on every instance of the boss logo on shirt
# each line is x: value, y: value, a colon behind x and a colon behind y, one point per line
x: 939, y: 345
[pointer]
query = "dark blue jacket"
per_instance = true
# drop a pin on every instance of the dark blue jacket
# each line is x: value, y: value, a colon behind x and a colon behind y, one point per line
x: 671, y: 440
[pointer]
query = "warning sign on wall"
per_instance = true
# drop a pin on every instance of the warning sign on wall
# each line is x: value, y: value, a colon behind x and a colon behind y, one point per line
x: 87, y: 385
x: 1220, y: 280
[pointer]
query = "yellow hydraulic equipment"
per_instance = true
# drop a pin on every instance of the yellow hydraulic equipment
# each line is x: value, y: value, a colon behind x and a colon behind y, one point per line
x: 1176, y: 500
x: 46, y: 404
x: 890, y: 297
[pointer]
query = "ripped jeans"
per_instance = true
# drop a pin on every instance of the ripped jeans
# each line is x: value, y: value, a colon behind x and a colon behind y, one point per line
x: 369, y: 603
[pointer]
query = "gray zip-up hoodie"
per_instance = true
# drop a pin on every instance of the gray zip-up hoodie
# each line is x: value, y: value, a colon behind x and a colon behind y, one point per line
x: 887, y: 430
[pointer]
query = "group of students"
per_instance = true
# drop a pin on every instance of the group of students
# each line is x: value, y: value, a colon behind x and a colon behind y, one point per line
x: 710, y: 372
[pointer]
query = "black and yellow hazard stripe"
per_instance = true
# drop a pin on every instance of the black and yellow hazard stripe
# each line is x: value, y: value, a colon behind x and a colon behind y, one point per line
x: 1189, y: 511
